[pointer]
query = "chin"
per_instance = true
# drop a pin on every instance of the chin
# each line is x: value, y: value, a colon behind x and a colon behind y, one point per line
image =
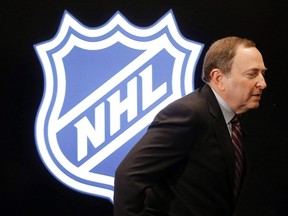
x: 254, y: 105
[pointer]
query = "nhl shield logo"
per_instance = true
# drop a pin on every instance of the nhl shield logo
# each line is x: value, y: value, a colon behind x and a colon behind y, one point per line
x: 103, y: 86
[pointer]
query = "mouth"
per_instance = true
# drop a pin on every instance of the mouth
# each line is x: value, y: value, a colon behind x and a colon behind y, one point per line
x: 257, y: 96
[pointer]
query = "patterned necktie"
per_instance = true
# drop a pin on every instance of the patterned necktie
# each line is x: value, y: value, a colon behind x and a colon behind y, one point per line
x: 236, y: 136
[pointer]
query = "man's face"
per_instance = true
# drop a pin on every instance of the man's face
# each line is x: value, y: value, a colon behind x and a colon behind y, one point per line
x: 244, y: 86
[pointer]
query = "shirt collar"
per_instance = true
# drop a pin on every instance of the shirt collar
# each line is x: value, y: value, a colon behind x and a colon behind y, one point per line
x: 226, y: 110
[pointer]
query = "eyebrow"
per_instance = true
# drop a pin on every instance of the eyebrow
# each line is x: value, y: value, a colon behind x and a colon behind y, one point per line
x: 257, y: 69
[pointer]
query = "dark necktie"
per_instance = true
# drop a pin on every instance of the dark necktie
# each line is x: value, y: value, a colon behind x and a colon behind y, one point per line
x: 236, y: 136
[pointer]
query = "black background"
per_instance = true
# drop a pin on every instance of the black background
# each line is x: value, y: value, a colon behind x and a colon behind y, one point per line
x: 29, y: 188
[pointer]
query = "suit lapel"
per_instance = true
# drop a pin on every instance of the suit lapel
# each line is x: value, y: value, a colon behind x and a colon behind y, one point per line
x: 221, y: 131
x: 226, y: 145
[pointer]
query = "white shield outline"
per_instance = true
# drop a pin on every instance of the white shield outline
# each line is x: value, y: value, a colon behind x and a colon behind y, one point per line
x: 47, y: 142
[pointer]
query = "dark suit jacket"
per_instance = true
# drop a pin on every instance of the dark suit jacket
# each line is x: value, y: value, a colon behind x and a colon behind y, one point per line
x: 183, y: 165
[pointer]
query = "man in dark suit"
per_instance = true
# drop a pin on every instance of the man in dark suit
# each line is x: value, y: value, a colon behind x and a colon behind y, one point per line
x: 186, y: 164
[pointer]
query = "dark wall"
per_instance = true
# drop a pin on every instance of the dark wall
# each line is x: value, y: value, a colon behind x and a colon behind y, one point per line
x: 29, y: 189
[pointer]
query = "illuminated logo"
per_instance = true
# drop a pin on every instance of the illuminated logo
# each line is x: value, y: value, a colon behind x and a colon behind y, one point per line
x: 103, y: 86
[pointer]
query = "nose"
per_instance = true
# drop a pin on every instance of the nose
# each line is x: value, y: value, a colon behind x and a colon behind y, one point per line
x: 261, y: 82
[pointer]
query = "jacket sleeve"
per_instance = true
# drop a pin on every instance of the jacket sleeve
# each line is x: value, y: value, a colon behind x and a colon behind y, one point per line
x: 163, y: 147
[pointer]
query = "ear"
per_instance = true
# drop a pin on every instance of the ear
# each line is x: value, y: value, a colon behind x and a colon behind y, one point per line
x: 217, y: 77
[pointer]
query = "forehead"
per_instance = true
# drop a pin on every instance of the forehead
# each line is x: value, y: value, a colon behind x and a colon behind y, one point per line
x: 246, y: 58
